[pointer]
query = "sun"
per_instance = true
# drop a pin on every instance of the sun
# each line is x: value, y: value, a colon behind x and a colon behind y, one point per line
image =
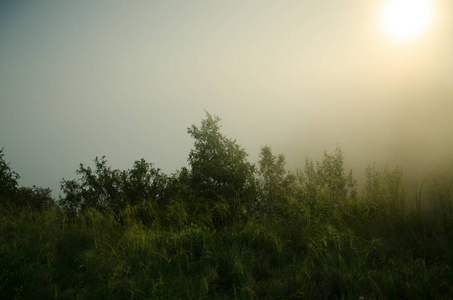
x: 405, y: 20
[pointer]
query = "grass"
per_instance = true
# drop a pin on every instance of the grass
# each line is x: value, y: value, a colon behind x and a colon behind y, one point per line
x: 358, y: 250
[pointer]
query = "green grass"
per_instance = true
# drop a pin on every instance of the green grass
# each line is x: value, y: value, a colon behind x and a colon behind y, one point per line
x: 357, y: 249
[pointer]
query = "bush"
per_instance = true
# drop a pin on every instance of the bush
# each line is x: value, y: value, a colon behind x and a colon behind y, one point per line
x: 8, y: 178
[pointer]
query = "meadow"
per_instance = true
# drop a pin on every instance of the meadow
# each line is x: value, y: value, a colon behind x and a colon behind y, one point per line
x: 226, y: 228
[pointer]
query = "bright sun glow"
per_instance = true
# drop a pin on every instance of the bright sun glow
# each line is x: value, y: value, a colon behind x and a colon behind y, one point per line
x: 406, y: 19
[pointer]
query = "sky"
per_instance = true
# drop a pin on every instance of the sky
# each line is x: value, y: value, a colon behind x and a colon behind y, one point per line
x: 125, y: 79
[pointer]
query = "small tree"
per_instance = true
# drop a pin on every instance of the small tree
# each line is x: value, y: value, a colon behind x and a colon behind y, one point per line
x: 144, y: 183
x: 219, y: 166
x: 385, y: 188
x: 220, y: 173
x: 37, y: 198
x: 99, y: 188
x: 326, y: 179
x: 277, y: 184
x: 115, y: 189
x: 8, y: 178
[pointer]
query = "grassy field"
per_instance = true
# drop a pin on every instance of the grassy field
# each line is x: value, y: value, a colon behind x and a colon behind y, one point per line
x: 225, y: 228
x: 355, y: 249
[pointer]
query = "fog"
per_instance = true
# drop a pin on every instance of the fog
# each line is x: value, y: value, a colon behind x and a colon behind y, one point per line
x: 125, y: 79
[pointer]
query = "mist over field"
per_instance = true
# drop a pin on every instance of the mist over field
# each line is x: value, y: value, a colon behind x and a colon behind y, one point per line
x: 202, y: 149
x: 124, y: 80
x: 407, y: 128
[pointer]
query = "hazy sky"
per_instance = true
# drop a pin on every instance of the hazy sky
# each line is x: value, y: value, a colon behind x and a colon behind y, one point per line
x: 125, y: 79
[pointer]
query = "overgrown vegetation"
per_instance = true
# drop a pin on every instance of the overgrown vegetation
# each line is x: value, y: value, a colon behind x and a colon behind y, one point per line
x: 225, y: 228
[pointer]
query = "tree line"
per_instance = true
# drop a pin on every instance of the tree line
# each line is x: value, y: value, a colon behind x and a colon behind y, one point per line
x: 224, y: 228
x: 219, y: 187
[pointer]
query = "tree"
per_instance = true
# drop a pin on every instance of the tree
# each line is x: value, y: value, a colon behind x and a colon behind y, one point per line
x: 37, y: 198
x: 104, y: 187
x: 222, y: 181
x: 8, y: 178
x: 219, y: 166
x: 144, y: 183
x: 326, y: 179
x: 97, y: 188
x: 277, y: 184
x: 385, y: 188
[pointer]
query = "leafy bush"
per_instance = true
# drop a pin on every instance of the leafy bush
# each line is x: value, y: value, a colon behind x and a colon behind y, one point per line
x: 8, y: 178
x: 37, y: 198
x: 106, y: 188
x: 12, y: 195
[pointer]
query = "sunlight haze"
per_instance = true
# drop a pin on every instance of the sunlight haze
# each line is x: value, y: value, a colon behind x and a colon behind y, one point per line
x: 125, y: 79
x: 406, y: 19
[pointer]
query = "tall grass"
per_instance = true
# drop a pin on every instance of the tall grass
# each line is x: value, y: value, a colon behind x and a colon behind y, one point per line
x: 399, y: 247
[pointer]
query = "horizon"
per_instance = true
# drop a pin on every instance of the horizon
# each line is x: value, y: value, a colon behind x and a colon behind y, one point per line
x: 80, y: 80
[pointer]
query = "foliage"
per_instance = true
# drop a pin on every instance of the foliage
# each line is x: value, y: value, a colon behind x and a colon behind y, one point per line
x: 326, y: 179
x: 144, y: 183
x: 48, y: 255
x: 385, y: 188
x: 8, y: 178
x: 37, y: 198
x: 100, y: 188
x: 220, y: 172
x: 12, y: 195
x: 278, y: 186
x: 220, y: 230
x: 219, y: 166
x: 107, y: 188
